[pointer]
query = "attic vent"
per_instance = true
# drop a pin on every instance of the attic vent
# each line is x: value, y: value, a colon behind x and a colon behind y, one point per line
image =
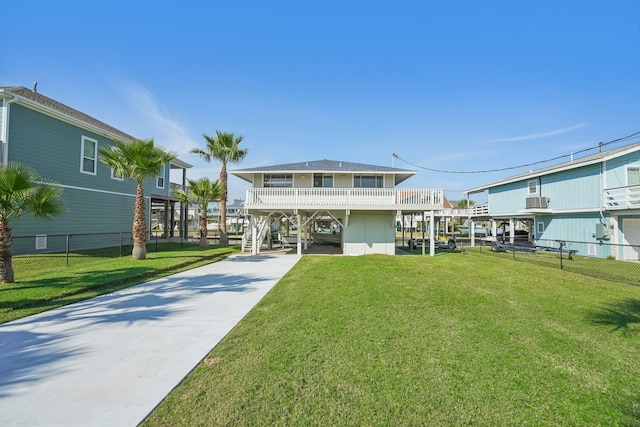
x: 537, y: 202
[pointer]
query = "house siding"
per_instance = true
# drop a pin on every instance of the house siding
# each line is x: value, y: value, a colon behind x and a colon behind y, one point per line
x: 93, y: 203
x: 508, y: 198
x: 616, y: 169
x: 571, y: 229
x: 579, y: 188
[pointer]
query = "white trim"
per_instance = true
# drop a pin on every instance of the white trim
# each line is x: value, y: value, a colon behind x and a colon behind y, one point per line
x: 93, y: 190
x: 536, y: 181
x: 82, y: 156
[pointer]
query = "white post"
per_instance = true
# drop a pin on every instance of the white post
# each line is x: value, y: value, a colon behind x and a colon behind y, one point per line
x: 254, y: 235
x: 472, y: 232
x: 512, y: 231
x: 299, y: 236
x: 432, y: 240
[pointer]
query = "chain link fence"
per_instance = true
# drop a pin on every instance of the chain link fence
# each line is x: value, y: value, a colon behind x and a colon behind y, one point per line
x: 50, y: 252
x: 608, y: 261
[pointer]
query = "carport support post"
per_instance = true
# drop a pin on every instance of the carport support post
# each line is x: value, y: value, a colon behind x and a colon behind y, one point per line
x: 512, y: 231
x: 422, y: 220
x: 472, y: 231
x: 254, y: 235
x: 432, y: 241
x: 299, y: 235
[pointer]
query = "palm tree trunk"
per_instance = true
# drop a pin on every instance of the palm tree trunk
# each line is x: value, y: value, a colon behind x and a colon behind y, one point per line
x: 139, y: 230
x: 224, y: 240
x: 204, y: 242
x: 6, y: 266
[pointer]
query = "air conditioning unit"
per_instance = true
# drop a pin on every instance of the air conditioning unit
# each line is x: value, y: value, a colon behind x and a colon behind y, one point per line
x: 537, y: 202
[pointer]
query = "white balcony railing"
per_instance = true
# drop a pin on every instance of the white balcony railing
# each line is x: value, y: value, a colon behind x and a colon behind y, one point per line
x: 478, y: 210
x: 344, y: 198
x: 621, y: 198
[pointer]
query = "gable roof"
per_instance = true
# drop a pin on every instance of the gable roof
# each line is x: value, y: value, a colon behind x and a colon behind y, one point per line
x: 325, y: 166
x: 51, y: 107
x: 572, y: 164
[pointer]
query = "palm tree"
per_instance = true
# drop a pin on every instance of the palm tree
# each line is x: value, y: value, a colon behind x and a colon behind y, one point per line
x: 138, y: 160
x: 202, y: 192
x: 22, y: 192
x: 225, y: 148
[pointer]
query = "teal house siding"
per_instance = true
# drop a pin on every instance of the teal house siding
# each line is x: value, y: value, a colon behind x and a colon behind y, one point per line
x: 616, y: 169
x: 95, y: 204
x: 507, y: 199
x: 573, y: 189
x: 576, y: 230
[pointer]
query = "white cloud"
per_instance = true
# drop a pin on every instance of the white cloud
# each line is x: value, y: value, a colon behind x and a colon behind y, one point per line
x: 157, y: 121
x: 540, y: 135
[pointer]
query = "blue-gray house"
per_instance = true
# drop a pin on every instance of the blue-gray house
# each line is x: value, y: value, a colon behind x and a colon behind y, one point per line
x: 62, y: 144
x: 591, y: 203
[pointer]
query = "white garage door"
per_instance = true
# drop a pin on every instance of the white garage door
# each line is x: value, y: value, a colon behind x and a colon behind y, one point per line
x: 631, y: 232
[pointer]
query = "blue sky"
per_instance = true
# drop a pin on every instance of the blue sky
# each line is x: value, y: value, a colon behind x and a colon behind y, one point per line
x: 450, y: 85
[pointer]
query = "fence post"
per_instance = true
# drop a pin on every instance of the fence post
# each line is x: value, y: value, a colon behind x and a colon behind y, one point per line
x: 120, y: 244
x: 561, y: 245
x: 67, y: 250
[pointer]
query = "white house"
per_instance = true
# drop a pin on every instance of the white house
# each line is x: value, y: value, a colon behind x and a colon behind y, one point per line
x: 362, y: 200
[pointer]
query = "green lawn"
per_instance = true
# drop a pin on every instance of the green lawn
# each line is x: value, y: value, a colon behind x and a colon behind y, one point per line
x: 48, y: 283
x: 449, y: 340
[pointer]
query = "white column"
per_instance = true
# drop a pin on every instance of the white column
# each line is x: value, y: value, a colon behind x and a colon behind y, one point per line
x: 512, y: 231
x: 472, y: 231
x: 299, y: 236
x: 254, y: 235
x: 432, y: 239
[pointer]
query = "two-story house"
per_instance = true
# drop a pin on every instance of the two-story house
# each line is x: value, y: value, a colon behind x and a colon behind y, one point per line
x: 62, y: 144
x: 361, y: 201
x: 590, y: 203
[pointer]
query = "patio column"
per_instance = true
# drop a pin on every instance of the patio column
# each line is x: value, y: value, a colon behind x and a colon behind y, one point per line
x: 432, y: 241
x: 472, y: 232
x: 254, y: 235
x: 512, y: 231
x: 299, y: 236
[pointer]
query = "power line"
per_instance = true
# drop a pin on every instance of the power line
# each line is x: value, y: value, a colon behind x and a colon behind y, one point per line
x: 599, y: 147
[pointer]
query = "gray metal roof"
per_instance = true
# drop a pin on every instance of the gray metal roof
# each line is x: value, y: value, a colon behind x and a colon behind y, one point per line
x: 324, y: 166
x: 32, y: 98
x: 572, y: 164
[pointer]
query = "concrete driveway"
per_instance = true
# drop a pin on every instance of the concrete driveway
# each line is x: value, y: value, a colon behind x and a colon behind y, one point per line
x: 110, y: 360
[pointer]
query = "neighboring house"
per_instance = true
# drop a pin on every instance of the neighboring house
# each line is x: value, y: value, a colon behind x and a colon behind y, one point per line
x: 361, y: 201
x: 62, y: 144
x: 592, y: 202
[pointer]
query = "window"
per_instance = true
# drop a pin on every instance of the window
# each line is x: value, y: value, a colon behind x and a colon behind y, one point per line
x: 114, y: 176
x: 322, y: 180
x: 367, y: 181
x: 532, y: 187
x: 160, y: 178
x: 278, y: 180
x: 540, y: 226
x: 89, y: 156
x: 633, y: 175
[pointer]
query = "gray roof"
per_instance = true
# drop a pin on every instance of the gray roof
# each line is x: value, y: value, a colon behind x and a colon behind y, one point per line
x: 572, y: 164
x: 32, y: 97
x: 328, y: 166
